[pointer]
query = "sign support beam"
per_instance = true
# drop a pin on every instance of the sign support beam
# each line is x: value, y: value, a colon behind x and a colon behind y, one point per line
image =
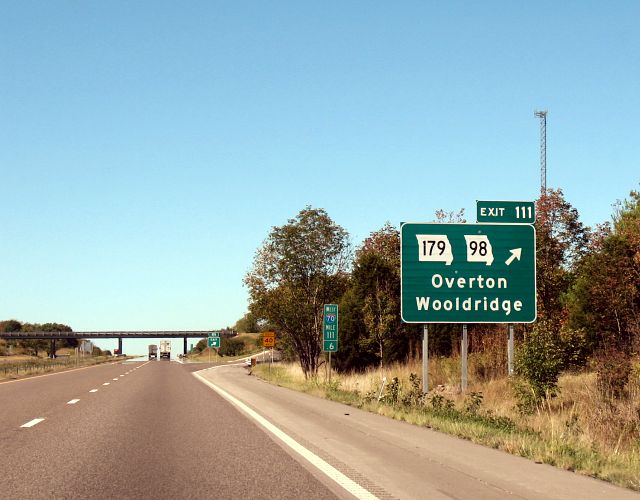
x: 463, y: 355
x: 510, y: 350
x: 425, y: 358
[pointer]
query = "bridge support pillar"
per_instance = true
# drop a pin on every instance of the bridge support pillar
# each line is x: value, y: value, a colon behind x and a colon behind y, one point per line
x: 185, y: 346
x: 53, y: 348
x: 120, y: 346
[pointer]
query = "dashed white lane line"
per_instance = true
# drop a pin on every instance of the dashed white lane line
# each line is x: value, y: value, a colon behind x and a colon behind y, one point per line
x: 93, y: 390
x: 106, y: 383
x: 73, y: 401
x: 115, y: 379
x: 347, y: 483
x: 33, y: 422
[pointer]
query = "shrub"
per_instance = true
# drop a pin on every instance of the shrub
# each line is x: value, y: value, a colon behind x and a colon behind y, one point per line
x: 613, y: 368
x: 539, y: 361
x: 440, y: 404
x: 414, y: 396
x: 473, y: 402
x: 392, y: 392
x: 231, y: 347
x: 577, y: 347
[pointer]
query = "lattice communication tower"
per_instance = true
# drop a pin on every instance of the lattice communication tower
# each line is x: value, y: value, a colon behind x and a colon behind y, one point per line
x: 543, y: 150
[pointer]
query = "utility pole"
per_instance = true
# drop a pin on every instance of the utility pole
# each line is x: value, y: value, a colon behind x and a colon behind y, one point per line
x: 543, y: 150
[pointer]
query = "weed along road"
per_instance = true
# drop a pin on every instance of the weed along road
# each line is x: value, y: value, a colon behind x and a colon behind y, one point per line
x: 139, y: 430
x: 161, y: 429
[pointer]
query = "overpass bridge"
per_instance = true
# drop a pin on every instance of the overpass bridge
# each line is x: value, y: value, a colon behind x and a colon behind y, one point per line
x: 53, y: 336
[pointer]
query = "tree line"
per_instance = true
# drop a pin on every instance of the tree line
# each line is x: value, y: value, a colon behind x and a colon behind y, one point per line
x: 35, y: 346
x: 588, y: 291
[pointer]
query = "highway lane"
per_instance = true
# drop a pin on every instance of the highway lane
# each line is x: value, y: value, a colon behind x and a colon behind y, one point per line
x: 395, y: 459
x: 33, y: 397
x: 155, y: 433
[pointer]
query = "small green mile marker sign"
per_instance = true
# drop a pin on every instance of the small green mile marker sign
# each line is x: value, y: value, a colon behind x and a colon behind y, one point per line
x: 330, y: 328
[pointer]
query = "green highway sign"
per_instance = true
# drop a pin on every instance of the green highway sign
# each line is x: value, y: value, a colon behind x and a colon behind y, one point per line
x: 468, y: 273
x: 213, y: 342
x: 506, y: 212
x: 330, y: 328
x: 330, y: 346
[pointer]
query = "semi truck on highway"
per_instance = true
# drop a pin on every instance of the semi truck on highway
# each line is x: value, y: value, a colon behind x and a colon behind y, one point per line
x: 165, y: 349
x: 153, y: 351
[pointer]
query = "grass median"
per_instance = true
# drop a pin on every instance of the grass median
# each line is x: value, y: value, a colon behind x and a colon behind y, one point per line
x: 12, y: 369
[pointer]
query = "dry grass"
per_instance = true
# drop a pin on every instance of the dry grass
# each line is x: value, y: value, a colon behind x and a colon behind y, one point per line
x: 578, y: 430
x: 21, y: 368
x: 248, y: 339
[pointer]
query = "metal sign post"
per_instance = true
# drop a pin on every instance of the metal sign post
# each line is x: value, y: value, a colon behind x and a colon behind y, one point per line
x: 425, y: 359
x: 463, y: 354
x: 510, y: 351
x: 213, y: 341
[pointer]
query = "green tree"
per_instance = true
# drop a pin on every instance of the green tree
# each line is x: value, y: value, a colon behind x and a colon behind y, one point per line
x: 370, y: 323
x: 10, y: 325
x: 605, y: 298
x: 376, y: 276
x: 301, y: 266
x: 247, y: 324
x: 231, y: 347
x: 200, y: 346
x: 379, y: 287
x: 539, y: 360
x: 352, y: 355
x: 561, y: 240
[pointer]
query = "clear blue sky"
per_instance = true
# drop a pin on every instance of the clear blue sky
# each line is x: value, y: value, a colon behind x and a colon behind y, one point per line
x: 147, y: 148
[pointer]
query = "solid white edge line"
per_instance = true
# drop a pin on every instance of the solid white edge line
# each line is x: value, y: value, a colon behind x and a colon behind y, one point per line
x: 33, y: 422
x: 73, y: 401
x: 348, y: 484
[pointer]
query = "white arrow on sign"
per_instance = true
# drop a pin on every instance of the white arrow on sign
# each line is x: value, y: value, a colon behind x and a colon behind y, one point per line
x: 516, y: 253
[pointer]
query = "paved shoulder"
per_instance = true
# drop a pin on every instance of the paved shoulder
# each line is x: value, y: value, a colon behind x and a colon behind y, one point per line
x: 392, y: 458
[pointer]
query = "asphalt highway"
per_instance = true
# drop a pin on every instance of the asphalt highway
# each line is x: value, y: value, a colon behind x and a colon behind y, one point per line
x: 162, y: 429
x: 154, y: 431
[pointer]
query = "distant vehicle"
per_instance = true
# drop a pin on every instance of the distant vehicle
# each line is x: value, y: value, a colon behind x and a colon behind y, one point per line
x: 165, y: 349
x: 153, y: 351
